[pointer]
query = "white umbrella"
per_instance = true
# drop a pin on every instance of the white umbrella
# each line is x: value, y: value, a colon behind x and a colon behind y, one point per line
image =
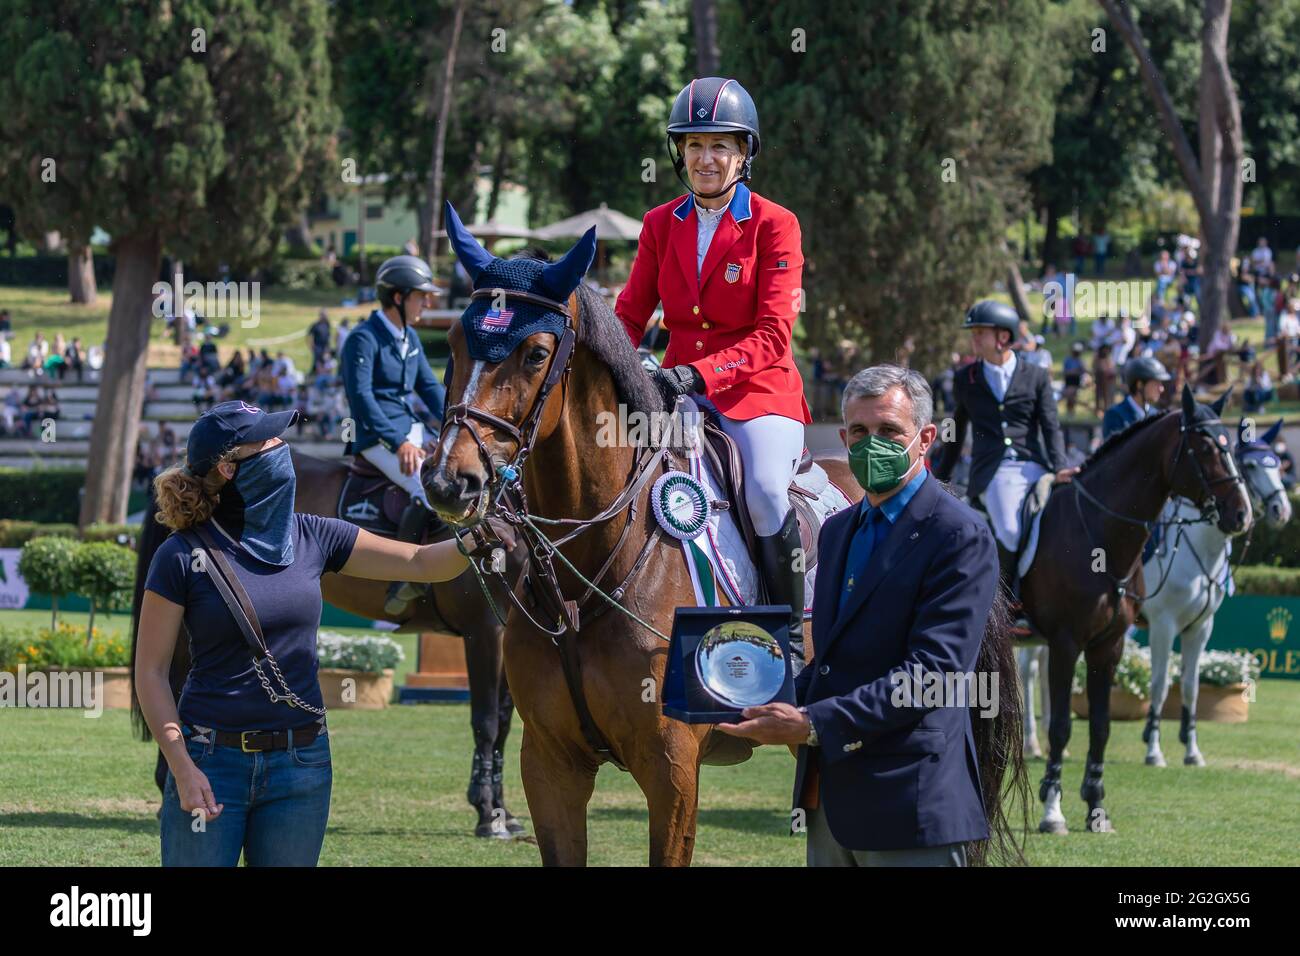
x: 494, y: 230
x: 609, y: 223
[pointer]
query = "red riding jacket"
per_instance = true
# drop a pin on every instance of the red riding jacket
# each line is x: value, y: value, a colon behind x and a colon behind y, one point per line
x: 733, y: 323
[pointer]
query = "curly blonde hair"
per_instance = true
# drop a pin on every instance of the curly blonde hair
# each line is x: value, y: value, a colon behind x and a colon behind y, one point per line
x: 184, y: 499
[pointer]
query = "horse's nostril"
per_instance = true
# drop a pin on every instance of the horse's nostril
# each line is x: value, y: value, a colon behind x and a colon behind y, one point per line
x: 471, y: 485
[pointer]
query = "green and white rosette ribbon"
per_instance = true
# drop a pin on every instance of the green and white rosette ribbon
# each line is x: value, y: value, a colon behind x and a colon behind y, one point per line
x: 681, y: 505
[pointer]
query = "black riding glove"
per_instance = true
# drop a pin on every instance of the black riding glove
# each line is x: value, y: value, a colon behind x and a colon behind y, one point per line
x: 678, y: 380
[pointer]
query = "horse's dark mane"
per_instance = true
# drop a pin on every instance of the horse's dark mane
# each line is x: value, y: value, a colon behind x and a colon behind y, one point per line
x: 1121, y: 437
x: 601, y: 331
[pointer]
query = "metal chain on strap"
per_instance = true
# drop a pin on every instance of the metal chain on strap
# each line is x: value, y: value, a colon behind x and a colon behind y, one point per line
x: 289, y: 697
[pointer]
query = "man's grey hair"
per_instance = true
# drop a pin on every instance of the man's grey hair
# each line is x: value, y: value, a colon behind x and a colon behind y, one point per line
x: 878, y: 379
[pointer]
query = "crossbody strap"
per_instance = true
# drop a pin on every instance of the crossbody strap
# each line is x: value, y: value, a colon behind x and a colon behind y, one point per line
x: 218, y: 568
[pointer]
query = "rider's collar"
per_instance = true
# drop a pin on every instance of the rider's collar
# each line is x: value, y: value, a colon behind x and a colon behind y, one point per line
x: 739, y: 205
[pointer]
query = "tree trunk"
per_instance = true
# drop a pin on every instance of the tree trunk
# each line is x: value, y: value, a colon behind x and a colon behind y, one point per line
x: 1221, y: 153
x: 498, y: 174
x: 708, y: 58
x: 1215, y: 180
x: 122, y: 381
x: 433, y: 189
x: 1016, y: 286
x: 299, y: 237
x: 1051, y: 235
x: 81, y: 275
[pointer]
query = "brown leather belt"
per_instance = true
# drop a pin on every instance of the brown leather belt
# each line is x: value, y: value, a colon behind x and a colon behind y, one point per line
x: 256, y: 741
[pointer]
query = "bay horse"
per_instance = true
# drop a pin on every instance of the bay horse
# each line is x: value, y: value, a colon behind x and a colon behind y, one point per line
x: 458, y: 606
x: 587, y: 676
x: 1084, y: 596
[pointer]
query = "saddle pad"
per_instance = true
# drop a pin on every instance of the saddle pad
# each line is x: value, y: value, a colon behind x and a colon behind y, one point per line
x: 735, y: 578
x: 1031, y: 516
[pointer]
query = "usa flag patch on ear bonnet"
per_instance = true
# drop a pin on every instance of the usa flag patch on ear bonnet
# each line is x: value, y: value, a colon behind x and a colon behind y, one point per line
x: 495, y: 324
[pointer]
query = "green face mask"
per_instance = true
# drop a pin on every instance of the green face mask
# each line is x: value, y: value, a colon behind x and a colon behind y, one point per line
x: 880, y: 463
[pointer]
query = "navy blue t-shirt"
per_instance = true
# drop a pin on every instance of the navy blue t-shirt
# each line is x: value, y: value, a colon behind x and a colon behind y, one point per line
x: 223, y: 690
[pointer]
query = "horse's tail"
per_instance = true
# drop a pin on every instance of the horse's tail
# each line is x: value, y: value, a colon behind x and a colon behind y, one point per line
x: 999, y: 747
x: 152, y: 535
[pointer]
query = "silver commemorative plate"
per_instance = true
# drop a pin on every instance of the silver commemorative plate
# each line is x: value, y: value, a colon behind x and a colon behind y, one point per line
x: 740, y: 664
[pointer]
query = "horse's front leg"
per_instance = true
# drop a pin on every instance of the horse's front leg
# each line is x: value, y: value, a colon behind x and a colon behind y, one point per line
x: 669, y: 776
x: 1161, y: 633
x: 1060, y: 674
x: 1102, y: 657
x: 559, y: 778
x: 1194, y: 642
x: 1030, y: 677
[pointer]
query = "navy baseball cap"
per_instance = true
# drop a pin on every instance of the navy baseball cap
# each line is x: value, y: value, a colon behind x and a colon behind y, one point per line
x: 224, y: 426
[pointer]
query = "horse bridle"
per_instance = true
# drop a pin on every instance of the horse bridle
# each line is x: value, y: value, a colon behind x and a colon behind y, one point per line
x: 504, y: 497
x: 464, y: 414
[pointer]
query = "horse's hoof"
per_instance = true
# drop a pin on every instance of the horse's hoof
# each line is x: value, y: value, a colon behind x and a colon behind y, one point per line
x: 1156, y: 760
x: 1100, y: 824
x: 1033, y: 752
x: 1194, y: 760
x: 1053, y: 826
x: 494, y: 831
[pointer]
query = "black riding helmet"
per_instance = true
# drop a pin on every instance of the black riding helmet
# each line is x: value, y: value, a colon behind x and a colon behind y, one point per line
x: 1143, y: 369
x: 993, y: 315
x: 713, y: 104
x: 403, y: 274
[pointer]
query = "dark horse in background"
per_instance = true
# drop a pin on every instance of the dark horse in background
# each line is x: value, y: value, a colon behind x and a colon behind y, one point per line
x: 1083, y: 590
x: 458, y: 606
x: 571, y: 476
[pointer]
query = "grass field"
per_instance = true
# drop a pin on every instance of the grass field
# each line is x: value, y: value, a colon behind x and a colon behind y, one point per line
x: 80, y: 792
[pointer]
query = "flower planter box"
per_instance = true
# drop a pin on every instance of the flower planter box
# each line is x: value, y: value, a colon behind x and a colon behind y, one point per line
x: 1216, y: 704
x: 368, y: 691
x: 114, y: 694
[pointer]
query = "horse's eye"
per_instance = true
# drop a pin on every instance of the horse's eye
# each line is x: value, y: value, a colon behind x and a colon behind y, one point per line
x: 537, y: 355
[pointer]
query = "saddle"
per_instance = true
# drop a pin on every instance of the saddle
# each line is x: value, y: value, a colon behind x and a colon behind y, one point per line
x: 370, y: 500
x: 724, y: 459
x: 1031, y: 511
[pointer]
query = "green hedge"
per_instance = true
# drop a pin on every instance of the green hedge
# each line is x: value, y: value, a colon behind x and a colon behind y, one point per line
x: 15, y: 534
x: 1262, y: 579
x: 42, y: 494
x: 1274, y: 546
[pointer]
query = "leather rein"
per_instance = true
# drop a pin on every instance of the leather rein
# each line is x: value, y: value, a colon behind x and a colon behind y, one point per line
x: 505, y: 499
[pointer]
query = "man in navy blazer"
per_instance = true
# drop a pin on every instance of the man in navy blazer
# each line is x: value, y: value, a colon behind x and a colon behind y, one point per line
x: 888, y: 776
x: 382, y: 364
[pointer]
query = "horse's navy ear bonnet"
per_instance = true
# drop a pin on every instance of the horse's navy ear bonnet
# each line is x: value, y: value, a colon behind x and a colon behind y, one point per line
x: 514, y: 298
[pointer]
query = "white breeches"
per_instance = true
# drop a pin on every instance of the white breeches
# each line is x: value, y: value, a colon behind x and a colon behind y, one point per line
x: 770, y: 448
x: 386, y: 461
x: 1004, y: 496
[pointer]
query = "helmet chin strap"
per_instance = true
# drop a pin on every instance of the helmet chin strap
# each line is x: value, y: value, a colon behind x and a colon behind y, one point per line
x: 679, y: 164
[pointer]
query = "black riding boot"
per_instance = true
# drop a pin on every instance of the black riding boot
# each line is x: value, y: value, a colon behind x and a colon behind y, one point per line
x: 1008, y: 566
x: 410, y: 528
x: 781, y: 562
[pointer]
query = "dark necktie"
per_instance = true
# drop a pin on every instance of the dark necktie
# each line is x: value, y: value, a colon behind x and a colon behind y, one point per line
x: 864, y: 542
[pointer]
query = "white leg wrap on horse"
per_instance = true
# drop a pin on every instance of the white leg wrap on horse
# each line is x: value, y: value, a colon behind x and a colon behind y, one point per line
x: 770, y: 447
x: 1004, y: 496
x: 386, y: 461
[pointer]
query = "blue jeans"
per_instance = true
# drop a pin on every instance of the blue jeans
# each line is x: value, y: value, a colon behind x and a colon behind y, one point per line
x: 276, y: 805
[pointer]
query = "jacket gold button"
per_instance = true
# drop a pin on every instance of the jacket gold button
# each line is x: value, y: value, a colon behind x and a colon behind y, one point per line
x: 699, y: 344
x: 1006, y: 441
x: 695, y: 310
x: 705, y: 325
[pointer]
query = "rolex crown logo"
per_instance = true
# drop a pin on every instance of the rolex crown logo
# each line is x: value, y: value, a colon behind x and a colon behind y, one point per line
x: 1279, y: 620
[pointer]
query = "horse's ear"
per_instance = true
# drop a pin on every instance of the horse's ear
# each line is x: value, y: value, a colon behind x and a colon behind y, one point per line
x: 561, y: 278
x: 468, y: 250
x: 1221, y: 402
x: 1270, y: 436
x: 1189, y: 405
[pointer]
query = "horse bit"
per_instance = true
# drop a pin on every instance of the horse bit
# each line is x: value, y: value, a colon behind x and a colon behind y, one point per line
x: 504, y: 498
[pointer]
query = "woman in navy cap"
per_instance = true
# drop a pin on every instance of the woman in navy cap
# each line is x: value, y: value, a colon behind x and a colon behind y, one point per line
x: 247, y: 744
